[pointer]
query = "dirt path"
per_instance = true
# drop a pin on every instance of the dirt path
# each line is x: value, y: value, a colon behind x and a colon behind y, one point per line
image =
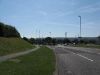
x: 6, y: 57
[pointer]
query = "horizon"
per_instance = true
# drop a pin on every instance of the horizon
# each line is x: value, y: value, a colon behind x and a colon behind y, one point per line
x: 52, y: 17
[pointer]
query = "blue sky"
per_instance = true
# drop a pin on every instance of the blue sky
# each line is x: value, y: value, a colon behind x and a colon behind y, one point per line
x: 55, y: 16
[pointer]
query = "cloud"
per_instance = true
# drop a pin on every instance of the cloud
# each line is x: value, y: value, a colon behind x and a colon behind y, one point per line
x: 58, y: 24
x: 91, y: 25
x: 73, y: 2
x: 90, y: 8
x: 64, y: 13
x: 43, y: 13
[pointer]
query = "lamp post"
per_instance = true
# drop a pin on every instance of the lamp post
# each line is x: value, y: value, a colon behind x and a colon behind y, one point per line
x: 65, y: 34
x: 50, y: 34
x: 80, y: 26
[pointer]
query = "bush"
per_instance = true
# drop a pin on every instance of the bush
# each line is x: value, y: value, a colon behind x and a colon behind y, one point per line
x: 66, y: 41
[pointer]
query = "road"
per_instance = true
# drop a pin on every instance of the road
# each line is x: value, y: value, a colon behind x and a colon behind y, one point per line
x: 14, y: 55
x: 78, y: 61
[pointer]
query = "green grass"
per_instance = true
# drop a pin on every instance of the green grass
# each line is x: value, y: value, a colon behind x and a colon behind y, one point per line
x: 88, y: 46
x: 12, y: 45
x: 40, y: 62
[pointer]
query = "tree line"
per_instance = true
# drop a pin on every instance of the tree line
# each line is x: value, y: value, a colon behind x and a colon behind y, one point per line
x: 65, y: 41
x: 8, y: 31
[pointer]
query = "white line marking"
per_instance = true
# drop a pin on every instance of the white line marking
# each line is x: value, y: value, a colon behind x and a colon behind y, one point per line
x: 85, y: 57
x: 73, y: 53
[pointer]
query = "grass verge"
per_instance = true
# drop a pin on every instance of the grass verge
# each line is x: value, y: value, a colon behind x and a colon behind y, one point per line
x: 40, y: 62
x: 13, y: 45
x: 88, y: 46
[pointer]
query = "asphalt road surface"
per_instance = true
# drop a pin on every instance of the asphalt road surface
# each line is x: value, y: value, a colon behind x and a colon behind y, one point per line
x: 77, y: 61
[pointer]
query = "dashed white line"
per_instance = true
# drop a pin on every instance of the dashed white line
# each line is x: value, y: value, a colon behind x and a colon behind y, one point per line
x: 85, y: 57
x: 73, y: 53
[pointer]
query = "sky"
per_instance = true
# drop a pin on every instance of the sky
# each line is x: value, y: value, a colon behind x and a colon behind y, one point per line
x: 52, y: 17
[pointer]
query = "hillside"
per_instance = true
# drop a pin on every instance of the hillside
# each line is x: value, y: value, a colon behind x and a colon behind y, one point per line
x: 12, y: 45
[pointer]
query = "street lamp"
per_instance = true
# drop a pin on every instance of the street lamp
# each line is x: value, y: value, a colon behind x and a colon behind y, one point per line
x: 50, y: 34
x: 80, y: 25
x: 65, y: 34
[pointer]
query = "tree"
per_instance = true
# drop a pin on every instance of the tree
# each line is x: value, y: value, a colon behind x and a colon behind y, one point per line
x: 54, y: 41
x: 76, y: 41
x: 48, y: 40
x: 26, y: 39
x: 92, y: 41
x: 8, y: 31
x: 1, y: 29
x: 66, y: 41
x: 83, y: 41
x: 32, y: 40
x: 59, y: 41
x: 99, y: 37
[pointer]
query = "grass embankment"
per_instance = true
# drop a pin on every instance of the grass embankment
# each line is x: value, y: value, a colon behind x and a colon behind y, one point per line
x: 88, y: 46
x: 12, y: 45
x: 40, y: 62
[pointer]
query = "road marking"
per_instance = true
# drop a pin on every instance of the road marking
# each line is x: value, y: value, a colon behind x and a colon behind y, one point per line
x: 73, y: 53
x: 69, y: 73
x: 85, y: 57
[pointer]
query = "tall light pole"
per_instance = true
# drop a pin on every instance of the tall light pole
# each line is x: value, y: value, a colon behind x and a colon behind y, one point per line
x: 39, y: 34
x: 80, y: 25
x: 65, y: 34
x: 50, y: 34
